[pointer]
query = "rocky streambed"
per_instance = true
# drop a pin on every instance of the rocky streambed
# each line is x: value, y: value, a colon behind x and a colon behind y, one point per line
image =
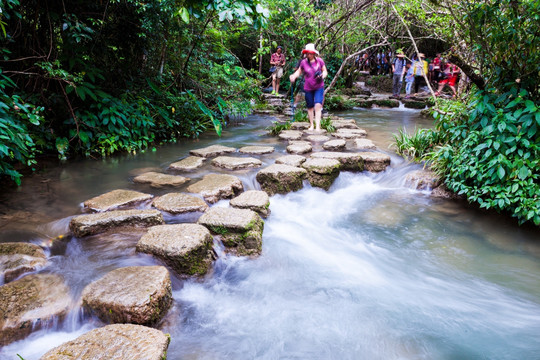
x: 139, y: 297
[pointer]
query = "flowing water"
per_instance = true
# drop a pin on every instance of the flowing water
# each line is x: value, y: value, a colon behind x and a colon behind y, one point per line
x: 368, y: 270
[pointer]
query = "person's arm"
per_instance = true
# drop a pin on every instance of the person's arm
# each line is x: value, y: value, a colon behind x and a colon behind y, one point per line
x: 272, y: 62
x: 324, y: 72
x: 284, y: 60
x: 296, y: 74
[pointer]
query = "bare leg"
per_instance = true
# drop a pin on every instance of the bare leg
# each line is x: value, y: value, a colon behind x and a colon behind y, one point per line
x: 273, y: 83
x: 310, y: 116
x: 318, y: 113
x: 277, y: 84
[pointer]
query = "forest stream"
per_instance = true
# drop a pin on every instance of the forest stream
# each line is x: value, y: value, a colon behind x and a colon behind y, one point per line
x: 370, y: 269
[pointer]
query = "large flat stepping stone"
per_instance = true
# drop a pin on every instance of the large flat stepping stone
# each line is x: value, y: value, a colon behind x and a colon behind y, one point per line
x: 318, y: 138
x: 116, y: 198
x: 255, y: 200
x: 281, y: 179
x: 212, y: 150
x: 349, y: 161
x: 322, y: 172
x: 314, y: 132
x: 236, y: 163
x: 17, y: 258
x: 117, y: 341
x: 214, y: 187
x: 134, y: 294
x: 256, y: 150
x: 90, y: 224
x: 299, y: 147
x: 375, y: 161
x: 290, y: 135
x: 186, y: 248
x: 291, y: 160
x: 344, y: 124
x: 338, y: 144
x: 156, y: 179
x: 31, y: 303
x: 300, y: 125
x: 364, y: 144
x: 179, y: 203
x: 240, y: 229
x: 188, y: 164
x: 350, y: 133
x: 422, y: 180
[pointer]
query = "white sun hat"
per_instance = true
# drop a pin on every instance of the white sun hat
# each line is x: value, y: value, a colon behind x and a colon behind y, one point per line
x: 310, y: 49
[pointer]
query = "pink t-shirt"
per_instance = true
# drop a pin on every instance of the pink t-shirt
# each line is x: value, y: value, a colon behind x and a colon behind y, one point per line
x: 311, y: 83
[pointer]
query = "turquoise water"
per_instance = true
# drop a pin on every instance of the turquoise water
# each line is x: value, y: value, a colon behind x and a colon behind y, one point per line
x: 368, y: 270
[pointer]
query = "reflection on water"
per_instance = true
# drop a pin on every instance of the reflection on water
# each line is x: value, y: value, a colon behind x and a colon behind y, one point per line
x: 368, y: 270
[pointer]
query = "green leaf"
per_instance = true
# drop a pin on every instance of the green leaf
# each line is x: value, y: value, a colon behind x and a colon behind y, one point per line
x: 523, y: 172
x: 501, y: 172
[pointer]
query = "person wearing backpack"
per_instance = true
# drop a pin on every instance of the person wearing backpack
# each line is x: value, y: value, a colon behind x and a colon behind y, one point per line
x: 398, y: 69
x: 277, y: 60
x: 314, y: 70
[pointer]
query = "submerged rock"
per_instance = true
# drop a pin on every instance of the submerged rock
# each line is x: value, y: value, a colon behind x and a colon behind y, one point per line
x: 291, y: 160
x: 318, y: 138
x: 349, y: 161
x: 188, y: 164
x: 116, y: 198
x: 17, y: 258
x: 375, y: 161
x: 240, y: 229
x: 322, y: 172
x: 90, y: 224
x: 443, y: 192
x: 256, y: 150
x: 422, y: 180
x: 364, y: 144
x: 133, y: 294
x: 156, y: 179
x: 212, y: 150
x: 299, y: 147
x: 117, y: 341
x: 236, y: 163
x: 31, y: 303
x: 290, y: 135
x: 179, y: 203
x: 334, y: 145
x: 186, y: 248
x: 281, y: 179
x: 255, y: 200
x: 214, y: 187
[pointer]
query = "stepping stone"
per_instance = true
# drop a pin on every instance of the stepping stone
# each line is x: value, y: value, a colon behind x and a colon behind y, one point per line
x: 117, y: 341
x: 318, y: 138
x: 240, y: 229
x: 300, y: 125
x: 299, y: 147
x: 214, y: 187
x: 158, y: 179
x: 353, y: 131
x: 186, y: 248
x: 281, y: 179
x: 344, y: 124
x: 322, y: 172
x: 375, y: 161
x: 349, y: 133
x: 236, y: 163
x: 31, y: 303
x: 290, y: 135
x: 315, y: 132
x: 422, y: 180
x: 256, y: 150
x: 364, y: 144
x: 255, y: 200
x: 188, y: 164
x: 334, y: 145
x: 90, y: 224
x: 291, y: 160
x: 17, y: 258
x: 349, y: 161
x: 212, y: 150
x: 116, y: 198
x: 134, y: 294
x: 179, y: 203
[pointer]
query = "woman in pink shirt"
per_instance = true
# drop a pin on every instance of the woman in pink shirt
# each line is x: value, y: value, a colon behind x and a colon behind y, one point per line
x: 314, y: 70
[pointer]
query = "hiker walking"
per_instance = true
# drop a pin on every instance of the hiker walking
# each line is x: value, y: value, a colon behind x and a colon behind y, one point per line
x: 398, y: 68
x: 277, y: 60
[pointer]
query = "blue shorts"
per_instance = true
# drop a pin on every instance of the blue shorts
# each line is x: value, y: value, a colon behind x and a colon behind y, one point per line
x: 314, y: 97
